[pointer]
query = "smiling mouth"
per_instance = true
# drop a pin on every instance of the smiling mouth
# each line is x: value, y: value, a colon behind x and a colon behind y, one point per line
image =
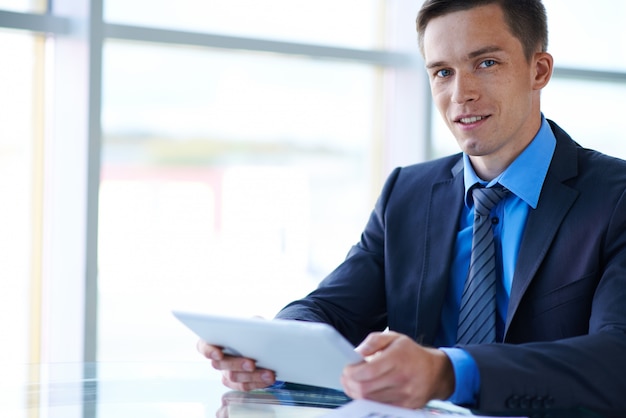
x: 471, y: 119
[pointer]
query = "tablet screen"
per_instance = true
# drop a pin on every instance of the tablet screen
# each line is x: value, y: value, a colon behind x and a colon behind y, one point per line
x: 299, y: 352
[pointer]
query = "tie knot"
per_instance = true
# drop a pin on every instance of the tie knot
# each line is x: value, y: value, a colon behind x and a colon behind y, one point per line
x: 486, y: 198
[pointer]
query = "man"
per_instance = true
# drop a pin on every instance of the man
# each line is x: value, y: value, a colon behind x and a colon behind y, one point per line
x: 558, y: 338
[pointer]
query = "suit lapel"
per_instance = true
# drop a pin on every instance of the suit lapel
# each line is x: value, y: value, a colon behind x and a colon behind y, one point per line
x: 443, y: 215
x: 543, y: 222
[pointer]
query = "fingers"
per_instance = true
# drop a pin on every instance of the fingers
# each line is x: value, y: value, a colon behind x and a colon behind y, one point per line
x: 209, y: 351
x: 238, y: 373
x: 366, y: 383
x: 374, y: 378
x: 375, y: 342
x: 245, y: 381
x: 377, y: 372
x: 235, y: 364
x: 241, y: 373
x: 221, y: 361
x: 398, y: 371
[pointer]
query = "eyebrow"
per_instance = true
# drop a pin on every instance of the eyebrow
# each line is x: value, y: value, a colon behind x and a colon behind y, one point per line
x: 471, y: 55
x: 485, y: 50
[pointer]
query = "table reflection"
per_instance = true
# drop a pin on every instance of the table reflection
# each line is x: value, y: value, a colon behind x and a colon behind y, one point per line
x: 281, y: 400
x: 168, y: 389
x: 119, y: 390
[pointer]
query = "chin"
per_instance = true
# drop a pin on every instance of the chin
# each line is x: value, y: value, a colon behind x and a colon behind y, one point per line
x: 473, y: 149
x: 469, y: 146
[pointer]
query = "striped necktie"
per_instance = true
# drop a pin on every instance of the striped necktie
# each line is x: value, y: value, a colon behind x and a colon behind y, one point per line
x: 477, y: 312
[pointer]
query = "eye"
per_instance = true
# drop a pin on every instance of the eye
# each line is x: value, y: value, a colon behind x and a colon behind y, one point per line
x: 443, y: 73
x: 487, y: 63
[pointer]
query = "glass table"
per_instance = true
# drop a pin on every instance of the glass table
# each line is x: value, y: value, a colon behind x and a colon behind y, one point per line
x: 163, y: 389
x: 120, y: 390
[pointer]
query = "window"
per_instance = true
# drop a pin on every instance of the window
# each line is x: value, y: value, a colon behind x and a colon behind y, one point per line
x: 37, y: 6
x: 231, y: 182
x: 185, y: 161
x: 234, y: 179
x: 586, y: 38
x: 20, y: 186
x: 589, y: 111
x: 349, y: 23
x: 157, y: 154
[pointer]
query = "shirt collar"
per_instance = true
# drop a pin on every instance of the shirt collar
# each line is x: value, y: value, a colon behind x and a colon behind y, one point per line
x: 524, y: 177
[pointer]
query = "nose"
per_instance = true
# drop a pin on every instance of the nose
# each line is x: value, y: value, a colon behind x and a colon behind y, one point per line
x: 464, y: 88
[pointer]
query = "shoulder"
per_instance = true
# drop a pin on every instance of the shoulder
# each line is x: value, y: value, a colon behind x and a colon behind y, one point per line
x: 586, y: 165
x: 428, y: 172
x: 407, y: 186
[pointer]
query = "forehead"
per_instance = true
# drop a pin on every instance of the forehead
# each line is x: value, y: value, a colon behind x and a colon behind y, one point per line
x: 460, y: 33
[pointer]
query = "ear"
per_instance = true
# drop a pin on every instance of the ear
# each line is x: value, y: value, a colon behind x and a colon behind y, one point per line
x: 542, y: 65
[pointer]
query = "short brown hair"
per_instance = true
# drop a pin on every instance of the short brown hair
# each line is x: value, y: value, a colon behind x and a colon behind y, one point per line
x: 526, y: 19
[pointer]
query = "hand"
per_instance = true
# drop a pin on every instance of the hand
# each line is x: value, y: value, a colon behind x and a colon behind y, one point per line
x: 238, y: 373
x: 398, y: 371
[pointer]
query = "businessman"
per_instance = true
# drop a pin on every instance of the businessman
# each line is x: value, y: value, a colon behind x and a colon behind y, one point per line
x: 500, y: 271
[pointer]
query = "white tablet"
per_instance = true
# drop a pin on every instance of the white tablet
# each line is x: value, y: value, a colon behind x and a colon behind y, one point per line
x: 299, y: 352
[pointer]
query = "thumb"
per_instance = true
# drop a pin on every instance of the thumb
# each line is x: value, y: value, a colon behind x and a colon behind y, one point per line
x: 375, y: 342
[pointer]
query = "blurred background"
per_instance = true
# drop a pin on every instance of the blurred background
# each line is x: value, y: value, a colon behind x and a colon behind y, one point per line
x: 221, y: 155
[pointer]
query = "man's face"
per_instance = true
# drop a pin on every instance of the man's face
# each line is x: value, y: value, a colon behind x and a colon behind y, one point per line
x: 482, y: 84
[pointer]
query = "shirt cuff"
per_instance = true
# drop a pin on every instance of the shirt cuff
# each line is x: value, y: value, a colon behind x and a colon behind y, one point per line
x: 467, y: 377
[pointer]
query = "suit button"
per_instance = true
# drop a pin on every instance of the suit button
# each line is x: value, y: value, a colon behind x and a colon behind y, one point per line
x: 513, y: 402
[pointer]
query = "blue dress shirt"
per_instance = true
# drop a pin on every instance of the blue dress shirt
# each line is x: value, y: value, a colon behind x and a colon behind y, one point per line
x: 524, y: 178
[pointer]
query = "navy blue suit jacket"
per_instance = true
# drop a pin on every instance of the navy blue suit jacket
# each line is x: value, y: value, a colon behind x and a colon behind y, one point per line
x: 565, y: 340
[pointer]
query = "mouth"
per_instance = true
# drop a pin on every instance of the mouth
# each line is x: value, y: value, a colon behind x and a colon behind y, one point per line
x: 470, y: 120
